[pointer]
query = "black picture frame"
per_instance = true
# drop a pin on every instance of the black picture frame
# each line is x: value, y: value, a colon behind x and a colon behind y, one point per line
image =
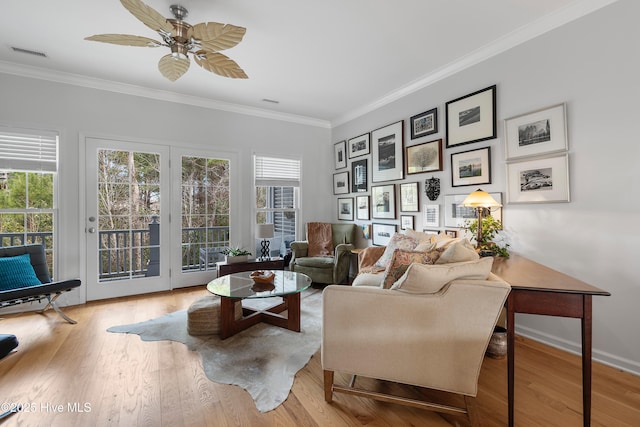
x: 424, y: 124
x: 340, y: 154
x: 409, y: 197
x: 359, y: 176
x: 359, y: 146
x: 381, y: 234
x: 362, y: 208
x: 472, y: 167
x: 471, y: 118
x: 383, y: 201
x: 345, y: 208
x: 387, y: 148
x: 341, y: 183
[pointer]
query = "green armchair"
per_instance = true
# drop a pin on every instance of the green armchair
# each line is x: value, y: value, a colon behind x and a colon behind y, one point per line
x: 326, y: 269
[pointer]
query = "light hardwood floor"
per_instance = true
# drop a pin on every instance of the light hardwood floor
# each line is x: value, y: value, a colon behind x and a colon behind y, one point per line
x: 80, y: 375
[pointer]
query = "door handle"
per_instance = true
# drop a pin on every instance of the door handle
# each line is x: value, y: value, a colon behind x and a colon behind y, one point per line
x: 91, y: 230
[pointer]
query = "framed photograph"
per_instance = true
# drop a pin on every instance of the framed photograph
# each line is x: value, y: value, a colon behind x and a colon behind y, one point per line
x: 431, y: 216
x: 383, y: 201
x: 406, y: 221
x: 455, y: 214
x: 345, y: 208
x: 382, y: 233
x: 540, y: 180
x: 341, y: 183
x: 359, y: 176
x: 362, y: 207
x: 424, y: 123
x: 471, y: 167
x: 430, y: 231
x: 426, y: 157
x: 471, y: 118
x: 451, y: 233
x: 339, y: 154
x: 359, y: 146
x: 540, y: 132
x: 409, y: 197
x: 388, y: 153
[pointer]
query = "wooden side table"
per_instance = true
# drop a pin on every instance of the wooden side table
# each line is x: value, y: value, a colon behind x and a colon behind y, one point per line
x: 250, y: 265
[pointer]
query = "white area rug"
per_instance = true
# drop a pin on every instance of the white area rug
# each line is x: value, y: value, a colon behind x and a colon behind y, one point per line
x: 263, y: 359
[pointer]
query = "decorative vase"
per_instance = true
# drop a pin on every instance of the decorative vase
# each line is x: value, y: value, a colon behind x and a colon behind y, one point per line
x: 235, y: 259
x: 497, y: 348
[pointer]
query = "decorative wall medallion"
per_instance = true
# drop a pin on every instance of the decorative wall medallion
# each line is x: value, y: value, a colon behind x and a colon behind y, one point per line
x: 432, y: 188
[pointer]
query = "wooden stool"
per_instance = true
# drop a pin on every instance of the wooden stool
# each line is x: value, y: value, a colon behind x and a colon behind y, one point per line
x: 203, y: 316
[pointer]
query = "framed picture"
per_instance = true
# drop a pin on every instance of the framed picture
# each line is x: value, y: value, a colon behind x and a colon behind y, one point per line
x: 471, y: 167
x: 341, y: 183
x: 471, y: 118
x: 406, y: 222
x: 540, y: 180
x: 345, y: 208
x: 359, y: 176
x: 430, y: 231
x: 431, y: 216
x: 451, y: 233
x: 409, y: 197
x: 340, y: 156
x: 383, y: 201
x: 359, y: 146
x: 455, y: 214
x: 424, y: 123
x: 362, y: 207
x: 388, y: 152
x: 540, y: 132
x: 382, y: 233
x: 426, y: 157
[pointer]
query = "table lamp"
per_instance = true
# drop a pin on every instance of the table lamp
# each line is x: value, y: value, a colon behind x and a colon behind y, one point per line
x: 264, y: 232
x: 480, y: 200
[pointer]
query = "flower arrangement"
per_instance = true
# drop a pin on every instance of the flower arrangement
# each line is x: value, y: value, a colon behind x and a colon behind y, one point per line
x: 491, y: 228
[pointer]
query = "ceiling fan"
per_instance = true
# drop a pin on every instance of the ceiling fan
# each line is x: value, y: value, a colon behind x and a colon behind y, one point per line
x: 203, y: 41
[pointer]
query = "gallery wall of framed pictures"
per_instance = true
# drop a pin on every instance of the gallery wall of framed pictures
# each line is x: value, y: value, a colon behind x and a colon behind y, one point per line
x: 395, y: 181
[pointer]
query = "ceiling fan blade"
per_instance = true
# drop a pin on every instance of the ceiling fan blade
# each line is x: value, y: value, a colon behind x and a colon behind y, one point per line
x: 124, y: 39
x: 219, y: 64
x: 215, y: 36
x: 149, y: 16
x: 173, y: 67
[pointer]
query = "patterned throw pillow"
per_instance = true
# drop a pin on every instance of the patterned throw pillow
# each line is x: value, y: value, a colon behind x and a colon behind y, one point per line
x: 401, y: 260
x: 16, y: 272
x: 398, y: 241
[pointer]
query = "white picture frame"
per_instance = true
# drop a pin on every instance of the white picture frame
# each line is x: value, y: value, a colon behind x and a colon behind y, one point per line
x: 539, y: 180
x: 431, y: 216
x: 387, y: 147
x: 539, y: 132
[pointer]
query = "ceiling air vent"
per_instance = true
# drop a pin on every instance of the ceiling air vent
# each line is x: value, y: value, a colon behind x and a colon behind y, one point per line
x: 30, y: 52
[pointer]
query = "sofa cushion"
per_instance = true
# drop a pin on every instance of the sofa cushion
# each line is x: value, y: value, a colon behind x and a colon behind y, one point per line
x: 368, y: 279
x: 398, y: 241
x: 320, y: 238
x: 429, y: 279
x: 315, y: 261
x: 459, y: 250
x: 419, y: 236
x: 16, y: 272
x: 401, y: 260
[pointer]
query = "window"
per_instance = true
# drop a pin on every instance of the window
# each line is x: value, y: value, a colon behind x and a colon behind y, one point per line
x: 28, y: 166
x: 277, y: 182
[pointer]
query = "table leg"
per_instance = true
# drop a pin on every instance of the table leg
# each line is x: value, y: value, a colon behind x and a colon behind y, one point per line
x: 586, y: 359
x: 511, y: 325
x: 293, y: 312
x: 227, y: 317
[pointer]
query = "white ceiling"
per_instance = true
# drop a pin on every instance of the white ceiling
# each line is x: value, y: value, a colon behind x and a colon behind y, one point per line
x: 325, y: 61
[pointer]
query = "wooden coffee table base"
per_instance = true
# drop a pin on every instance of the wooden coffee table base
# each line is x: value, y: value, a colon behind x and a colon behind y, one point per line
x: 229, y: 326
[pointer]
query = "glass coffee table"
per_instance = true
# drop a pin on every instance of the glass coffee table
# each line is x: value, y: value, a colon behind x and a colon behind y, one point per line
x: 230, y: 288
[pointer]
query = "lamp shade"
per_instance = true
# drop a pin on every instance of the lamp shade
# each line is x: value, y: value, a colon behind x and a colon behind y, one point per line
x: 480, y: 199
x: 264, y: 231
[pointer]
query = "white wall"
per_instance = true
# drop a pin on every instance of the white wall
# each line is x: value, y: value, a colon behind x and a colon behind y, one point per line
x: 592, y: 64
x: 77, y: 112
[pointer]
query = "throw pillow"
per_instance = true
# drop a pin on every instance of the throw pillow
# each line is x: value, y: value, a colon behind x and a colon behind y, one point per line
x: 442, y: 240
x: 320, y: 239
x: 419, y: 236
x: 429, y: 279
x: 401, y: 260
x: 458, y: 251
x: 398, y: 241
x: 16, y: 272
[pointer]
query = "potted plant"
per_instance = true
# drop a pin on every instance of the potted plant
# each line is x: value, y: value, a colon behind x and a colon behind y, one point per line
x: 233, y: 255
x: 491, y: 228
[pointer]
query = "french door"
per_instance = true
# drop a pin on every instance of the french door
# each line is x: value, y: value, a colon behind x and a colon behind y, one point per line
x: 127, y: 218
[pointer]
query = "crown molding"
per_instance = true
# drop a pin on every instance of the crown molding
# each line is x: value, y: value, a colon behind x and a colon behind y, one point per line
x: 161, y: 95
x: 560, y: 17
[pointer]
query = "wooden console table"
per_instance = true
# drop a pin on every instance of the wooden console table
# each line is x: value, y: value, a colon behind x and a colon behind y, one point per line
x: 536, y: 289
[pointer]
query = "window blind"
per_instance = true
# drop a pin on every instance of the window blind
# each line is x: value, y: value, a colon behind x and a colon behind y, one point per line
x: 274, y: 172
x: 28, y: 150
